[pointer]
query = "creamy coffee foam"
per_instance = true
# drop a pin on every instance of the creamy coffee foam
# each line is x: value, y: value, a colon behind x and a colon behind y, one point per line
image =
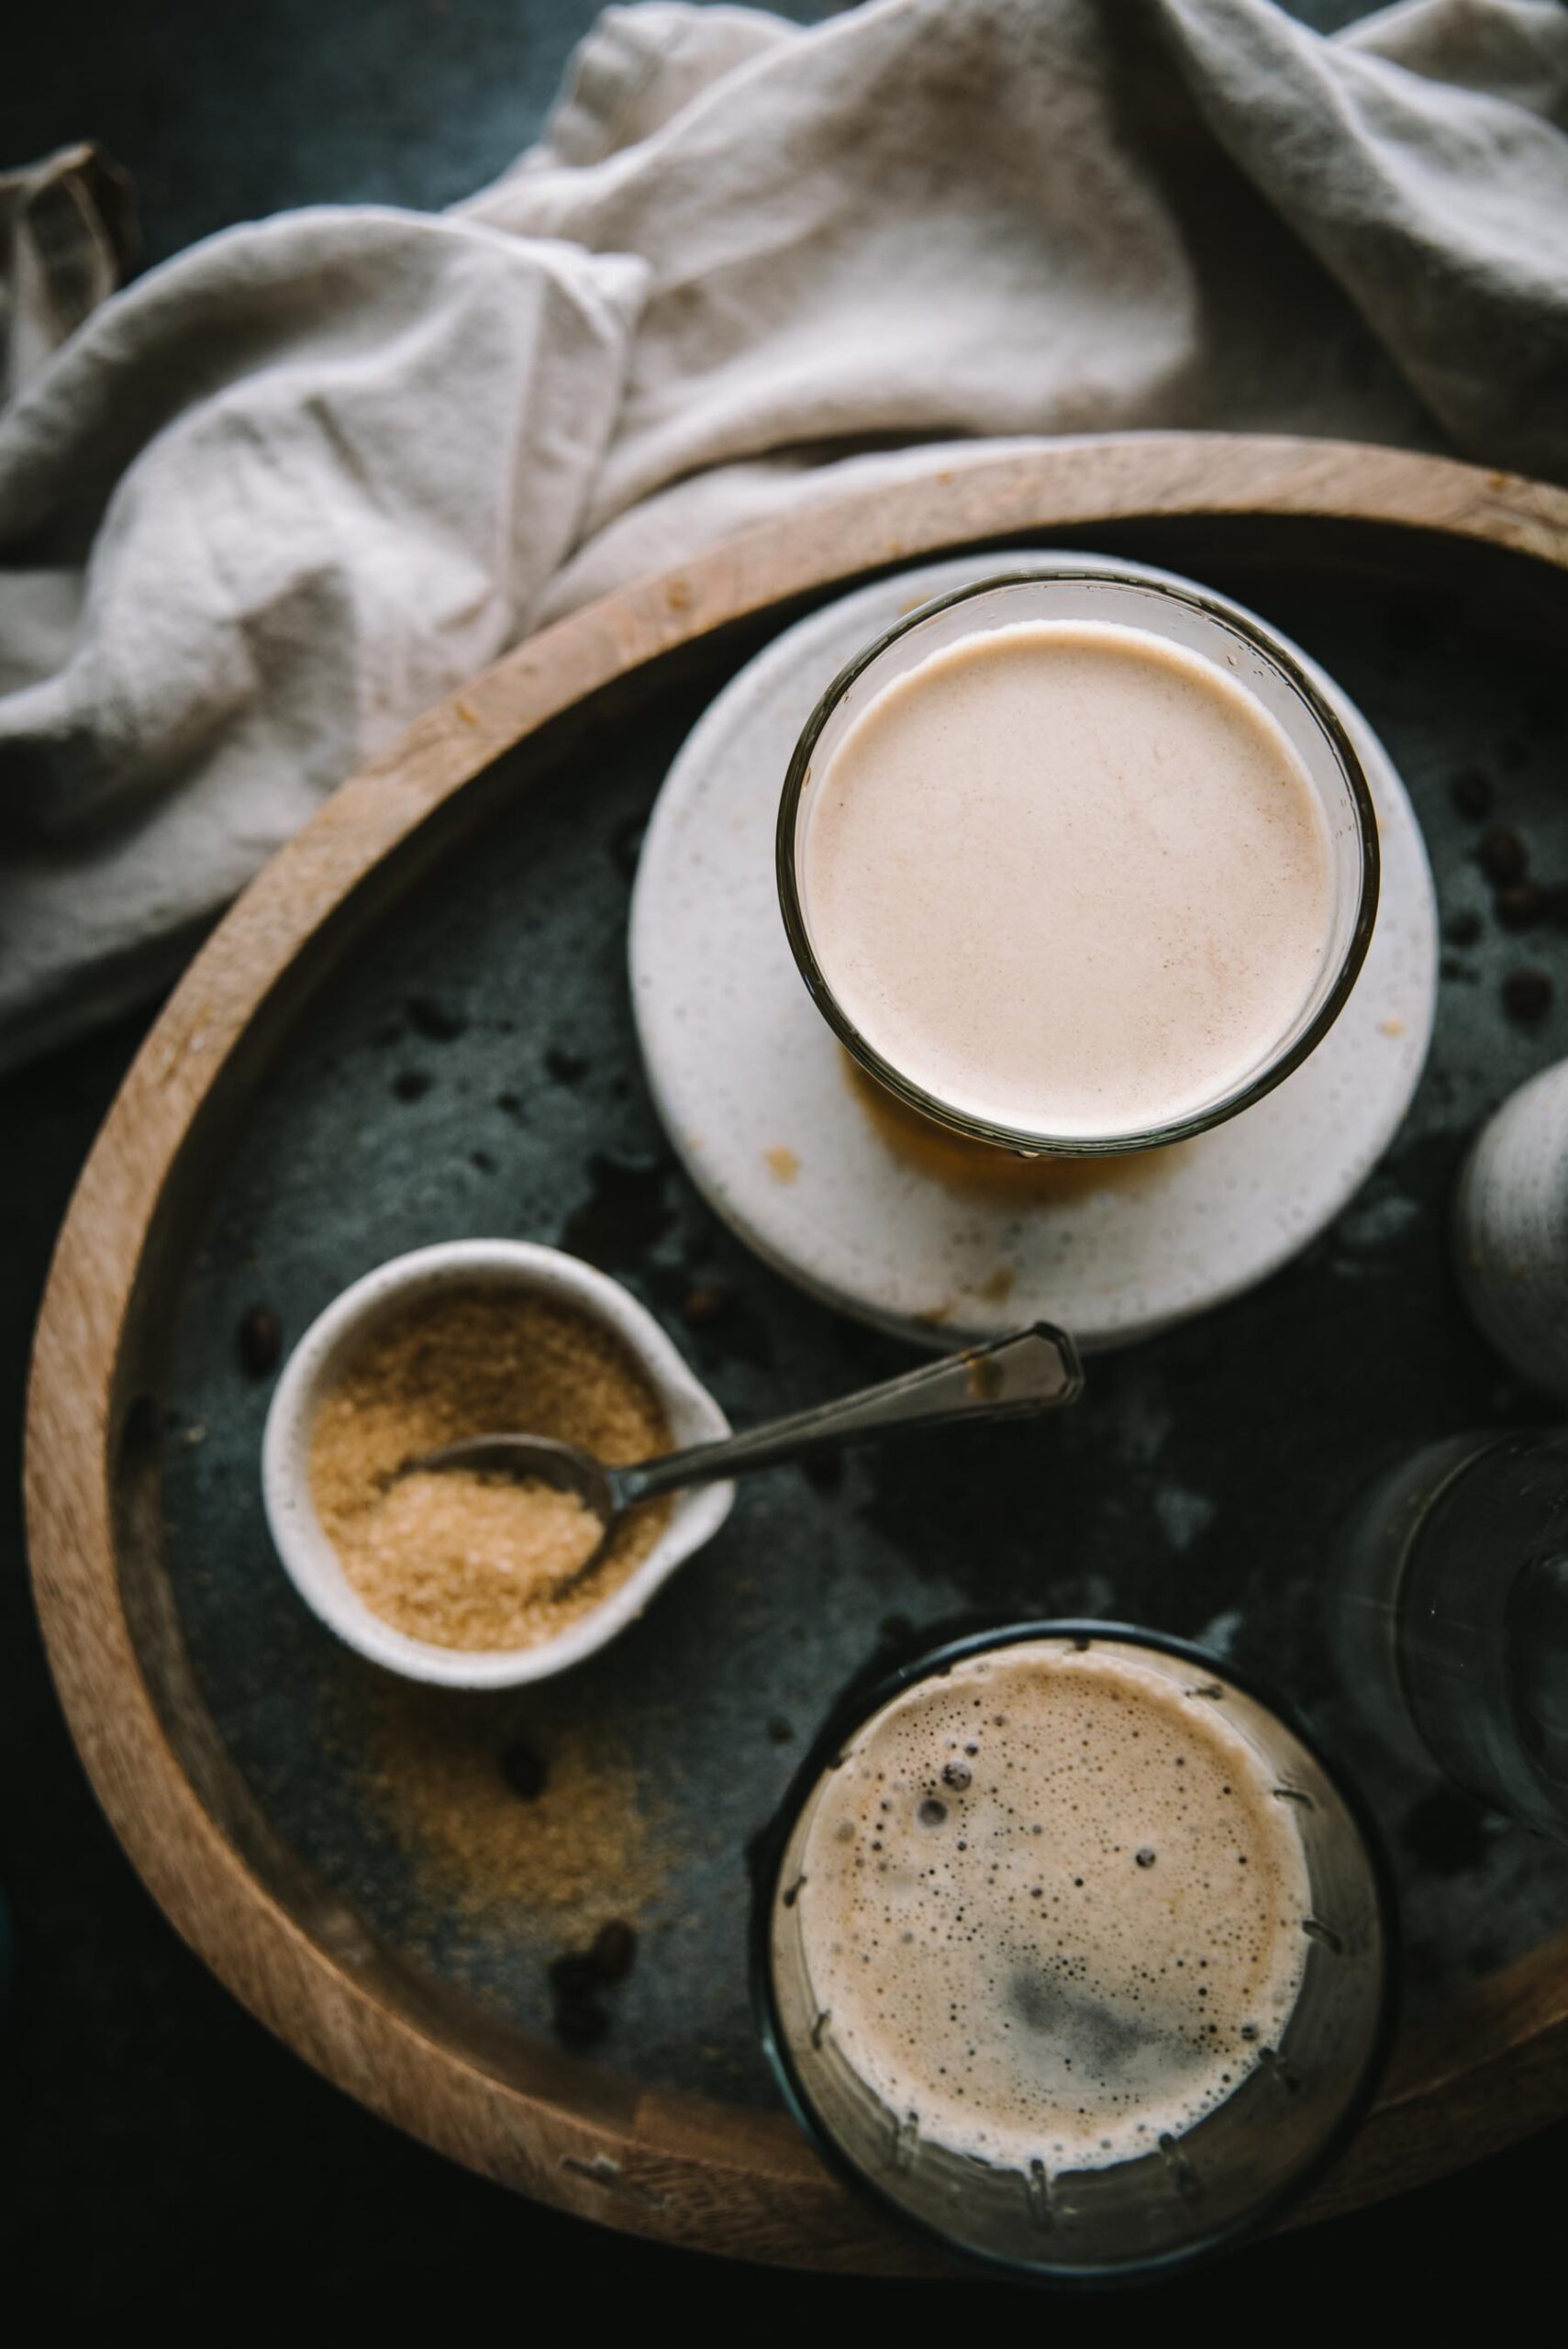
x: 1069, y: 878
x: 1050, y: 1905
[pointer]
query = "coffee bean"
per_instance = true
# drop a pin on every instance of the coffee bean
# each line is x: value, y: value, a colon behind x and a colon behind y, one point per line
x: 1520, y: 906
x: 412, y: 1085
x: 1471, y: 793
x: 434, y: 1020
x: 706, y: 1304
x: 526, y: 1772
x: 580, y: 2023
x: 260, y: 1339
x: 1462, y: 929
x: 780, y: 1733
x: 625, y: 1211
x: 614, y: 1951
x: 1502, y: 855
x: 564, y: 1067
x: 573, y: 1976
x: 1527, y: 997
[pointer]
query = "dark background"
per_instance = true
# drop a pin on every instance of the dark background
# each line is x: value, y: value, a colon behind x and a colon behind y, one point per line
x: 167, y: 2157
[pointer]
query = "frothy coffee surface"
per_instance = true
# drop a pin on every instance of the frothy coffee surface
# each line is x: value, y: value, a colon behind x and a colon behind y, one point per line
x: 1052, y: 1906
x: 1069, y: 878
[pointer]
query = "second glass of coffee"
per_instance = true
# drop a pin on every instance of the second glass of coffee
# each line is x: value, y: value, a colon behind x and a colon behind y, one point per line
x: 1074, y: 1952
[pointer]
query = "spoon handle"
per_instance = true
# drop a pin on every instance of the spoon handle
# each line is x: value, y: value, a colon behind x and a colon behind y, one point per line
x: 1012, y: 1379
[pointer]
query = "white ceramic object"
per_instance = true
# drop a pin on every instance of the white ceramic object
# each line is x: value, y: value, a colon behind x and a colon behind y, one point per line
x: 1510, y: 1233
x: 308, y: 1558
x: 752, y: 1089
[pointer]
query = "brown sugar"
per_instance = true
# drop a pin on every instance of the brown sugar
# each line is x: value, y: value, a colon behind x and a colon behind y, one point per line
x: 567, y: 1840
x: 451, y: 1556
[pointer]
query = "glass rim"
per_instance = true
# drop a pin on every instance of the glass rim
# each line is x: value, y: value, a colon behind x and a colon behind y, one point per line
x: 1262, y: 640
x: 851, y: 1713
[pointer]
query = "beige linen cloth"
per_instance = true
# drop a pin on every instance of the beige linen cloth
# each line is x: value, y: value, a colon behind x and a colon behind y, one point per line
x: 261, y: 508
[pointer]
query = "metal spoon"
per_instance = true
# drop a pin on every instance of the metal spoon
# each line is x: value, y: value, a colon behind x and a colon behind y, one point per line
x: 1038, y: 1370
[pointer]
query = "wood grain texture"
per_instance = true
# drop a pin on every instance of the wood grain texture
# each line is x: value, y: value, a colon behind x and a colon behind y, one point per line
x: 677, y: 2167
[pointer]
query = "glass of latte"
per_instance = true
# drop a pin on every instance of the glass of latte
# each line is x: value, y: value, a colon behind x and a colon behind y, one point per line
x: 1072, y: 1951
x: 1077, y: 861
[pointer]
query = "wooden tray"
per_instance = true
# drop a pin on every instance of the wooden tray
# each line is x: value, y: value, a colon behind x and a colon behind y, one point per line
x: 261, y: 1147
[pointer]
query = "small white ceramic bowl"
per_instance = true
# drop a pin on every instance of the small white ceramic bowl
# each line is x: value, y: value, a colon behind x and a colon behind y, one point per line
x: 308, y: 1558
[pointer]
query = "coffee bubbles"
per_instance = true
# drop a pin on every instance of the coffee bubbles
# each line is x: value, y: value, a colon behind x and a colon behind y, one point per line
x: 1049, y: 1907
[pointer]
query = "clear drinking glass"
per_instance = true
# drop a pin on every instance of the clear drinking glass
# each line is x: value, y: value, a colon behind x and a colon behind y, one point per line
x: 1450, y: 1619
x: 1232, y: 2169
x: 1187, y: 616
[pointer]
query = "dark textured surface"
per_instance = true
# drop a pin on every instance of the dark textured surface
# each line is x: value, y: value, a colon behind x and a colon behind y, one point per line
x: 164, y: 2153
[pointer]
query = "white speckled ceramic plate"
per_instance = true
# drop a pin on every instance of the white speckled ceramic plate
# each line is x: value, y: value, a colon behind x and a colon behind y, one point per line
x: 786, y: 1144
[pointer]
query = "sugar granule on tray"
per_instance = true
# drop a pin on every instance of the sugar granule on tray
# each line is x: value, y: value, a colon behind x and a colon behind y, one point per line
x: 458, y: 1558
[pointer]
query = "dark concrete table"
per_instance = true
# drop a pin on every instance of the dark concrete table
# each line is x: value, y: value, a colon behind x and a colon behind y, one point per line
x: 168, y: 2149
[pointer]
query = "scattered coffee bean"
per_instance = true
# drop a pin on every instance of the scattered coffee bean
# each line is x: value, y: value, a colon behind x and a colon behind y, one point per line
x: 434, y: 1020
x: 627, y: 1209
x: 1502, y: 855
x: 574, y: 1974
x: 412, y: 1085
x: 780, y: 1732
x: 509, y: 1105
x: 580, y: 2023
x: 1462, y: 929
x: 1471, y: 793
x: 1527, y: 997
x: 614, y: 1951
x: 526, y: 1772
x: 260, y: 1340
x: 563, y: 1067
x: 483, y: 1160
x: 1520, y: 906
x: 708, y: 1303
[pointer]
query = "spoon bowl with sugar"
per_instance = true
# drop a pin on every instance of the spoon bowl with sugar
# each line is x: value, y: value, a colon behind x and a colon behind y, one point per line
x: 1035, y: 1370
